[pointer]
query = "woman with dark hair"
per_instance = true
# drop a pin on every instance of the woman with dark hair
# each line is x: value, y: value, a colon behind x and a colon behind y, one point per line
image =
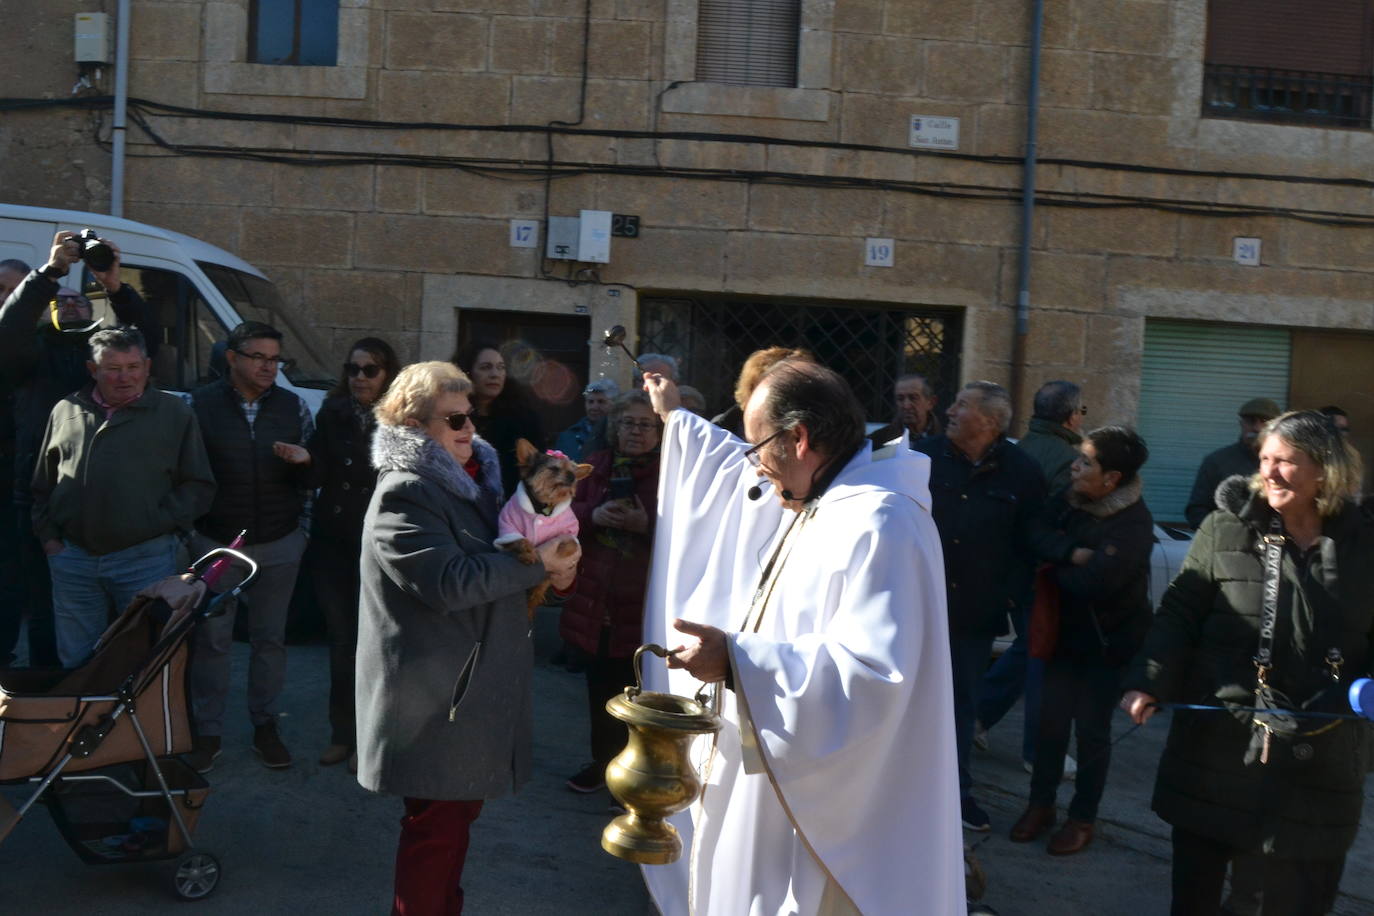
x: 616, y: 505
x: 1273, y: 609
x: 1099, y: 539
x: 340, y: 452
x: 500, y: 410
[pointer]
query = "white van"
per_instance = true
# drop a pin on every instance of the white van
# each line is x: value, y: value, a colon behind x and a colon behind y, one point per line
x: 200, y: 292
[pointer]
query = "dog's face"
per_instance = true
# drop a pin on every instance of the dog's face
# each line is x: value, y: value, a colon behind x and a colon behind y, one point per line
x: 549, y: 477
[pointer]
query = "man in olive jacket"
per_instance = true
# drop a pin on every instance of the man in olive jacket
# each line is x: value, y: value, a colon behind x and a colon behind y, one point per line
x: 121, y: 471
x: 1054, y: 432
x: 1052, y: 442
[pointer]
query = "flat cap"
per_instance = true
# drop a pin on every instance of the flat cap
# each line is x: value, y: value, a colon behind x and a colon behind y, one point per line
x: 1263, y: 408
x: 606, y: 386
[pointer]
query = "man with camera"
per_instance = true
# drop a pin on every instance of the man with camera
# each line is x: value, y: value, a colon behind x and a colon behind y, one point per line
x: 42, y: 364
x: 122, y: 471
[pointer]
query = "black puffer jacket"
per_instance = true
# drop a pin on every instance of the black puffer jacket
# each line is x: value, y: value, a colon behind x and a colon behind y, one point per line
x: 1306, y: 802
x: 1104, y: 605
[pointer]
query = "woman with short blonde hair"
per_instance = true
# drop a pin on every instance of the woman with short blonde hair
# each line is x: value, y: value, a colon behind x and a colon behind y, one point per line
x: 444, y: 709
x: 413, y: 393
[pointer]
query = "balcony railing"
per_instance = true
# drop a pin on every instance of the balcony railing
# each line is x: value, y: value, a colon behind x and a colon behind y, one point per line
x: 1288, y: 96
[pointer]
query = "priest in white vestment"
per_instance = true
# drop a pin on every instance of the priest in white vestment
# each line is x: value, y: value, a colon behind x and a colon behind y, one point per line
x: 804, y: 574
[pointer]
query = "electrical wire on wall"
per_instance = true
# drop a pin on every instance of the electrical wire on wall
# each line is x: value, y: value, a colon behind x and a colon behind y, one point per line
x: 548, y: 142
x: 552, y: 169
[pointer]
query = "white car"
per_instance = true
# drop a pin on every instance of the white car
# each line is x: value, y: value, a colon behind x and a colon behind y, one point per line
x: 1166, y: 559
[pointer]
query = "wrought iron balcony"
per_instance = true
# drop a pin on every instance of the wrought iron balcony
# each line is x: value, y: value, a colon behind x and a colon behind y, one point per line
x: 1287, y: 96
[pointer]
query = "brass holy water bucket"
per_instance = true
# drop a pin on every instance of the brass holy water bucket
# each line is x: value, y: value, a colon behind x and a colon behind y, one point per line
x: 652, y: 777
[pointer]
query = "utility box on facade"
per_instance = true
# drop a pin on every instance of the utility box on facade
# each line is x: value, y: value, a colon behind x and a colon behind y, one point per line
x: 92, y: 38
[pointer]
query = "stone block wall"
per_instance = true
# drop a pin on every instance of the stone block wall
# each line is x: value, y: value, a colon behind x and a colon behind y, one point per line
x: 380, y: 246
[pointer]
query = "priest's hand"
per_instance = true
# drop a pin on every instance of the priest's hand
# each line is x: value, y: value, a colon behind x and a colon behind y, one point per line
x: 1139, y: 705
x: 708, y: 660
x: 663, y: 394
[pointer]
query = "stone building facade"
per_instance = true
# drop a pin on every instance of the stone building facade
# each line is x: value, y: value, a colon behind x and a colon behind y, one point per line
x: 409, y: 234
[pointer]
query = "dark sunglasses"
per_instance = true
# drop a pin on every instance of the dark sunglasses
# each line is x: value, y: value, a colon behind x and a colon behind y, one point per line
x: 371, y: 370
x: 455, y: 421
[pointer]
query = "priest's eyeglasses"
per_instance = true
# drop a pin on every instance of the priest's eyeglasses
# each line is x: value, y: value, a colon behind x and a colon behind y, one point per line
x: 753, y: 454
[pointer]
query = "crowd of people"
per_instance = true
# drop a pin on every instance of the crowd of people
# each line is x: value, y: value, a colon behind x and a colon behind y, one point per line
x: 847, y: 621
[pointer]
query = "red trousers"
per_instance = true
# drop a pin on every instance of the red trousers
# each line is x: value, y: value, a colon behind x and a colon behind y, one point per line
x: 430, y: 856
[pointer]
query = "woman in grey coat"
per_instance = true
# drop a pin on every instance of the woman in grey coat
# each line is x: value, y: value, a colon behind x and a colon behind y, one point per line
x: 444, y: 659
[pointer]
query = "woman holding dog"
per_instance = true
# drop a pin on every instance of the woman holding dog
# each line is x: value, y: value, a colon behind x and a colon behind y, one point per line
x: 444, y: 654
x: 616, y: 505
x: 1273, y: 609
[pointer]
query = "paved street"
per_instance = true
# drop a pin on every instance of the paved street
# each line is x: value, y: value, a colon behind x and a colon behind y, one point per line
x: 308, y: 840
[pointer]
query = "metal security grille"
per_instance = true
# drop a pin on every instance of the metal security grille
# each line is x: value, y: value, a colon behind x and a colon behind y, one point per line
x: 748, y: 42
x: 869, y: 345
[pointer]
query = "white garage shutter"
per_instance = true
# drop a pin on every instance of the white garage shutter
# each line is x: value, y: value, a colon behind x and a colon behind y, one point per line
x: 1193, y: 379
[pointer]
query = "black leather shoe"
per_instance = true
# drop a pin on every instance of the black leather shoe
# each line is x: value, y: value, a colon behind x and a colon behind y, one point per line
x: 267, y: 744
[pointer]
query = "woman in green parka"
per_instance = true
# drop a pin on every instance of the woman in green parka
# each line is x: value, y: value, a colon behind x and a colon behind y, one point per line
x: 1293, y: 798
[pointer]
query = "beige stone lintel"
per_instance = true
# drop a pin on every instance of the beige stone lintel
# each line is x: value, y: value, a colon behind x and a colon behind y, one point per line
x: 749, y: 102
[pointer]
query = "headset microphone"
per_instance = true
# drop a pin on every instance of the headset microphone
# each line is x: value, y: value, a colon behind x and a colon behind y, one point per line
x: 787, y: 495
x: 754, y: 492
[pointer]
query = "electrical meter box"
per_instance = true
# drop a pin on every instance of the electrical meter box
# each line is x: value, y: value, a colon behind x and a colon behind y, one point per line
x: 92, y: 38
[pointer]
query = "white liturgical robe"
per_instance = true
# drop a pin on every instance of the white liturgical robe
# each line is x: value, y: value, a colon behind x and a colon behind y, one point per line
x: 832, y: 787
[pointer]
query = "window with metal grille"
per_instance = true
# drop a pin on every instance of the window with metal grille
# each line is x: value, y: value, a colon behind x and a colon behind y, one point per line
x: 294, y: 32
x: 1277, y: 60
x: 748, y: 42
x: 870, y: 345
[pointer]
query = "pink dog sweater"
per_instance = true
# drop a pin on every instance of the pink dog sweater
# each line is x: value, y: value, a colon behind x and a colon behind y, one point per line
x: 519, y: 520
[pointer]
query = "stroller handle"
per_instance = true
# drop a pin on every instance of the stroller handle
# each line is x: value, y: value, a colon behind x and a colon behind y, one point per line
x: 199, y: 567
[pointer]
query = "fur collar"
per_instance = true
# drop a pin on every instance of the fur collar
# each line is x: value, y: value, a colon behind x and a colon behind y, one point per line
x: 522, y: 499
x: 1233, y: 494
x: 1112, y: 503
x: 405, y: 448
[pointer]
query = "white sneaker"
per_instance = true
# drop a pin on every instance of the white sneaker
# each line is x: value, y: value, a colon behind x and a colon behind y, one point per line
x: 1070, y: 768
x: 980, y: 736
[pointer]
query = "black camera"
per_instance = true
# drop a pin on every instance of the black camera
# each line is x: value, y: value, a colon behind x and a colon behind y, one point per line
x: 97, y: 254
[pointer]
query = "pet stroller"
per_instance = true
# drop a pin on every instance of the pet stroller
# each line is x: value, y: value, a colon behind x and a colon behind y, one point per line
x: 99, y: 742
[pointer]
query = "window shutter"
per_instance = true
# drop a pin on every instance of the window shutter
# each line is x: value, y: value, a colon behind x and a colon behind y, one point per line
x: 1318, y: 36
x: 748, y: 42
x: 1193, y: 379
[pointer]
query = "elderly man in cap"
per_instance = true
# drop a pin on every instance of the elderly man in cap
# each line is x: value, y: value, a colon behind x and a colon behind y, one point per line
x: 588, y: 434
x: 1240, y: 457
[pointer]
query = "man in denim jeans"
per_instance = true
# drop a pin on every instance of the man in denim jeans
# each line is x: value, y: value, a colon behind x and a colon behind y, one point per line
x: 121, y: 470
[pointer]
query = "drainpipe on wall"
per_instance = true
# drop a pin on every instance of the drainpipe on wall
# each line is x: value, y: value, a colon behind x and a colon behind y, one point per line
x: 121, y: 101
x: 1023, y: 266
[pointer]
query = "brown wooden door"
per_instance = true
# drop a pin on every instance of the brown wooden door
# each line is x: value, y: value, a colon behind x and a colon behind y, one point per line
x: 547, y: 354
x: 1333, y: 367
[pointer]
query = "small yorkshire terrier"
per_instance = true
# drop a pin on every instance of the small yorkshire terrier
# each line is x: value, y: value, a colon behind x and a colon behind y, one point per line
x: 540, y: 509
